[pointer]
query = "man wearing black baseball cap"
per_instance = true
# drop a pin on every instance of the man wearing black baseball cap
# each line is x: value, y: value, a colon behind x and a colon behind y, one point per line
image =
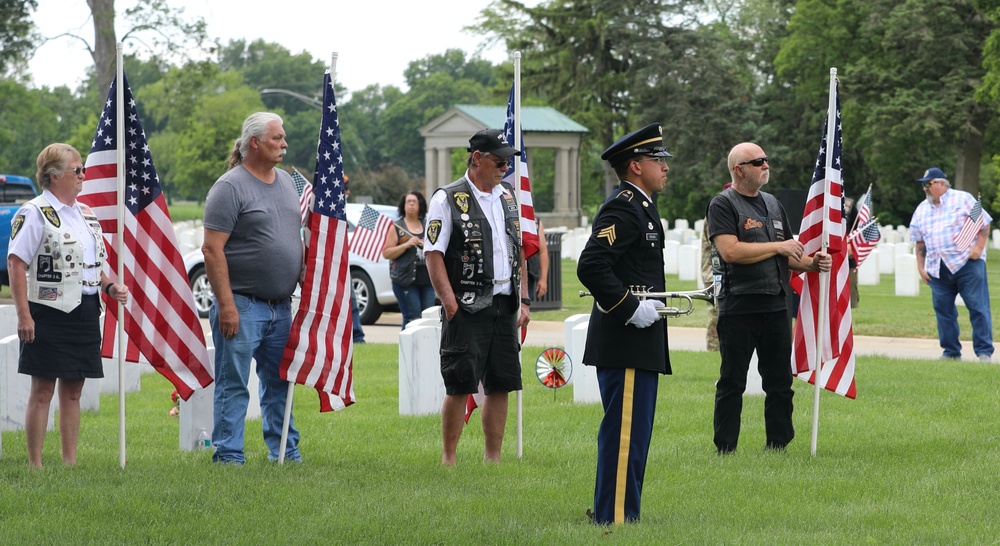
x: 952, y: 263
x: 475, y: 261
x: 627, y: 341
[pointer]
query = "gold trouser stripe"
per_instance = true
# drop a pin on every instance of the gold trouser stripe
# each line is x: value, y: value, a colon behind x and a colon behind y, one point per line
x: 624, y: 443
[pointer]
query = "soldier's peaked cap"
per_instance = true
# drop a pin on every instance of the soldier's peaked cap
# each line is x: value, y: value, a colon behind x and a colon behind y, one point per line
x: 645, y: 141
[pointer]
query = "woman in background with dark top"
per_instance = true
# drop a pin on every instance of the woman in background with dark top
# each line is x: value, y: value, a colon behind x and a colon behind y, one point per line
x: 404, y: 246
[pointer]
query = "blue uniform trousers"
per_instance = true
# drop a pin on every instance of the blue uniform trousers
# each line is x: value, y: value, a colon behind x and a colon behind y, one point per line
x: 629, y: 398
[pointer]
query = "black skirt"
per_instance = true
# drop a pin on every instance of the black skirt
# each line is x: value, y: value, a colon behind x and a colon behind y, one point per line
x: 66, y: 345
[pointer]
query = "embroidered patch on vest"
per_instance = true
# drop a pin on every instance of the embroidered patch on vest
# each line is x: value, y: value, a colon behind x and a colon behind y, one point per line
x: 752, y: 224
x: 16, y: 225
x: 608, y: 233
x: 462, y: 201
x: 47, y: 293
x: 433, y: 230
x: 50, y: 214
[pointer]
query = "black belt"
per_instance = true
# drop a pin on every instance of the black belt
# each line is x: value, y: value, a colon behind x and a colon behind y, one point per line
x: 267, y: 301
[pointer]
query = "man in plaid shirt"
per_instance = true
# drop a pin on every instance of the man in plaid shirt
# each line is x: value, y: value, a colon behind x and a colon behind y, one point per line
x: 950, y: 270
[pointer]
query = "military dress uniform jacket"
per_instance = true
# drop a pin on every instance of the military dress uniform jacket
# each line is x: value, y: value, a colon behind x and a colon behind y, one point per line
x: 625, y: 249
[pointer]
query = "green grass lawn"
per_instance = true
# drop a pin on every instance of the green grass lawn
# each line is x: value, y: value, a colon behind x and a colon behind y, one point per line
x: 912, y: 461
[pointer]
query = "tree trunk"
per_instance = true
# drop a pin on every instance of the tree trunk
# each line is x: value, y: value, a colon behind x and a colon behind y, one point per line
x: 105, y: 40
x: 970, y: 154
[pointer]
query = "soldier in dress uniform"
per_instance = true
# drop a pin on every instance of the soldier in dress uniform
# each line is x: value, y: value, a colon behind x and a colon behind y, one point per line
x: 626, y: 341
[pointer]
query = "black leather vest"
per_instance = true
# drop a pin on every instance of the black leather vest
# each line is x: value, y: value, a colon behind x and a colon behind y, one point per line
x: 469, y: 257
x: 768, y: 276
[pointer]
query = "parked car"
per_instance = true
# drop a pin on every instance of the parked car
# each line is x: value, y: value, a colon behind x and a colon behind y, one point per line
x: 369, y: 280
x: 14, y: 192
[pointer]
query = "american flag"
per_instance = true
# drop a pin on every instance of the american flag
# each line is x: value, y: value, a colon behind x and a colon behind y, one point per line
x: 865, y: 208
x: 838, y: 334
x: 529, y: 229
x: 474, y: 401
x: 304, y: 187
x: 972, y: 226
x: 864, y: 239
x: 160, y: 319
x: 320, y: 349
x: 825, y: 201
x: 370, y: 233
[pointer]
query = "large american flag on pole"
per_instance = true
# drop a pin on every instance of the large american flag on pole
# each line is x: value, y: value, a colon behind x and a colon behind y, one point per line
x: 160, y: 319
x: 824, y: 205
x: 972, y: 226
x: 320, y: 349
x: 529, y: 229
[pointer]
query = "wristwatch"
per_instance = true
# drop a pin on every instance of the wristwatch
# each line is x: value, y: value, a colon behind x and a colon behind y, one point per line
x: 526, y: 301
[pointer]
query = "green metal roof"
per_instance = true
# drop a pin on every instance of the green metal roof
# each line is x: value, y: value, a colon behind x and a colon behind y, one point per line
x: 541, y: 119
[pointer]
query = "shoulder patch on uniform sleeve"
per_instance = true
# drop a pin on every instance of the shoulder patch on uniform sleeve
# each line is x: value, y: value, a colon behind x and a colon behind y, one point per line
x: 15, y: 226
x: 608, y: 234
x: 433, y: 230
x: 625, y: 194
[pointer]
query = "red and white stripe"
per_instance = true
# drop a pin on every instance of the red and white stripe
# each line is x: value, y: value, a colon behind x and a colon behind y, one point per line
x: 160, y: 319
x: 320, y: 350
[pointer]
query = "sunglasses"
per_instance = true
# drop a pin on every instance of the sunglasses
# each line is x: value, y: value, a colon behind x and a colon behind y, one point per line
x: 929, y: 183
x: 78, y: 171
x: 755, y: 162
x: 502, y: 163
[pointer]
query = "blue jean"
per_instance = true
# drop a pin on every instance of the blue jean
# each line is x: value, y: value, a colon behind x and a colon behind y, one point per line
x: 969, y: 281
x: 262, y: 335
x: 357, y: 332
x: 413, y: 300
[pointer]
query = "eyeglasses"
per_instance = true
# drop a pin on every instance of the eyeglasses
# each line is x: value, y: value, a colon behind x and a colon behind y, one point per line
x: 501, y: 162
x: 759, y: 162
x: 929, y: 183
x: 78, y: 171
x: 661, y: 160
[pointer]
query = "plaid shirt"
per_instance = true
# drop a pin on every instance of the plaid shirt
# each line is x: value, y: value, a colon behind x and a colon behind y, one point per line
x: 937, y: 226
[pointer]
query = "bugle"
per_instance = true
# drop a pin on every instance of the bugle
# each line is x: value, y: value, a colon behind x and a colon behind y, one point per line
x: 709, y: 294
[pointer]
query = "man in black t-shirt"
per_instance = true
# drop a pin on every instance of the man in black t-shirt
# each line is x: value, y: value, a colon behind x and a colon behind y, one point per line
x: 750, y: 233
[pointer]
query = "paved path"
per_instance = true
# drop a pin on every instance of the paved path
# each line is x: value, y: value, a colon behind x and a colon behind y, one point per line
x: 546, y: 334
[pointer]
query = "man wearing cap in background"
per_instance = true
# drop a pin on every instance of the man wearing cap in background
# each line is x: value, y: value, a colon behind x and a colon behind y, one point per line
x: 626, y: 340
x: 949, y: 268
x: 475, y: 262
x: 750, y: 235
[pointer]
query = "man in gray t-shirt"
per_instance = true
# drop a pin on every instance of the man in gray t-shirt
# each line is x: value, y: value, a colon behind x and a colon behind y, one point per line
x: 253, y: 258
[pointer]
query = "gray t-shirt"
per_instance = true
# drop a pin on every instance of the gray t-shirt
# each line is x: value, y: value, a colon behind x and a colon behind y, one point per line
x: 264, y: 250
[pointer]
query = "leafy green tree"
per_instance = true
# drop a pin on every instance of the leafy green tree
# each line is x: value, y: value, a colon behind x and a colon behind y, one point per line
x: 202, y: 110
x: 909, y: 77
x: 267, y: 65
x: 16, y: 36
x: 31, y: 119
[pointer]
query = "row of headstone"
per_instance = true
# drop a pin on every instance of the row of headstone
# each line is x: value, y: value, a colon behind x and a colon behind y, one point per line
x: 421, y: 388
x: 190, y: 235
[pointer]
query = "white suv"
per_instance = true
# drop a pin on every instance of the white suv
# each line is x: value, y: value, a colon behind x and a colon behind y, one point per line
x: 370, y: 280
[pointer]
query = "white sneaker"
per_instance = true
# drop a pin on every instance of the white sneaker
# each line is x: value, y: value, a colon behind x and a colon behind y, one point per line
x: 985, y: 358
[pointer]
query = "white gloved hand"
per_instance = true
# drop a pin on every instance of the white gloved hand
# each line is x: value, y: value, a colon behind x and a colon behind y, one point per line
x: 645, y: 315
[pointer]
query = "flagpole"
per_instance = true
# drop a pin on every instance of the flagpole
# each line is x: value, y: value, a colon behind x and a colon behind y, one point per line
x: 520, y: 233
x: 291, y: 384
x: 863, y: 198
x: 824, y: 276
x: 120, y: 207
